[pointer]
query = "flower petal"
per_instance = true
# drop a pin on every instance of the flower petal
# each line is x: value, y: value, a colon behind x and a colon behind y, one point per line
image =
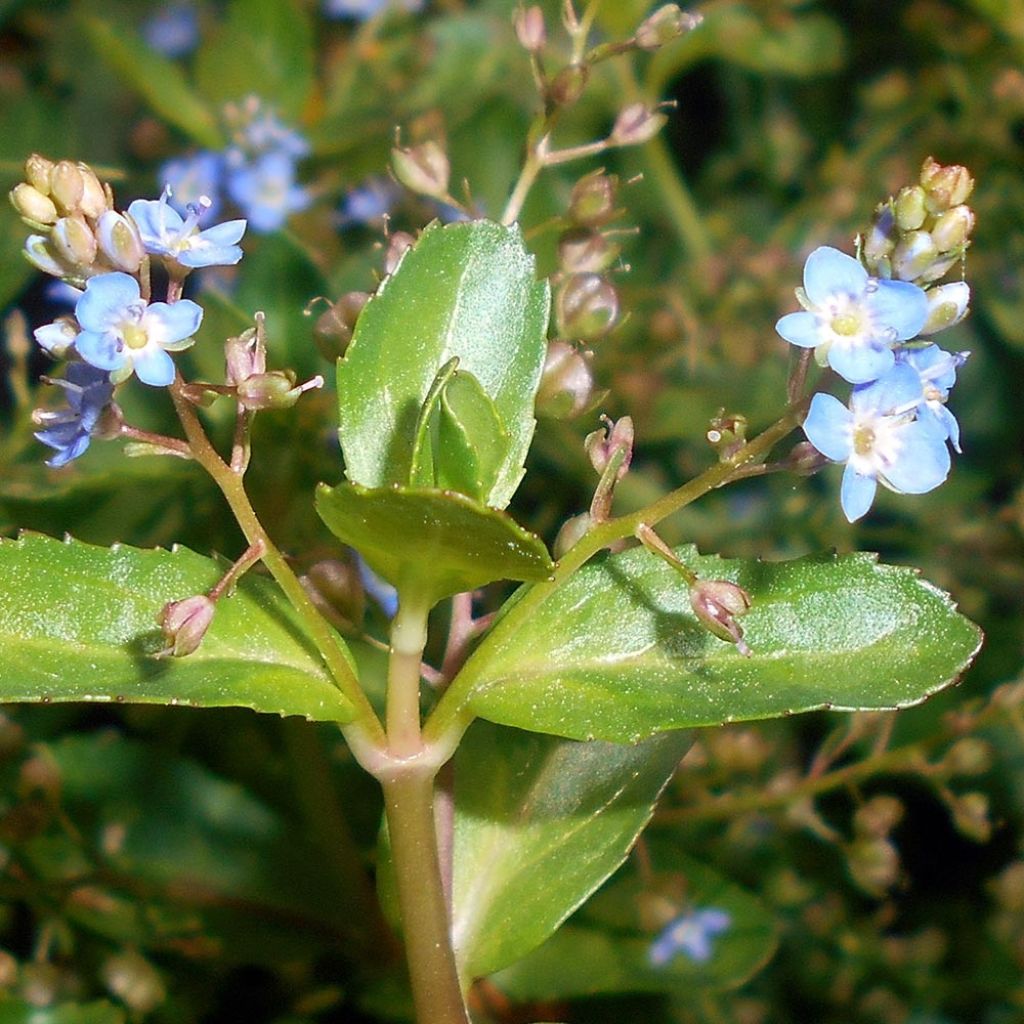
x: 859, y: 364
x: 900, y: 387
x: 828, y: 272
x: 100, y: 349
x: 857, y: 494
x: 829, y: 427
x: 898, y: 306
x: 169, y: 323
x: 154, y: 366
x: 105, y: 297
x: 923, y: 462
x: 799, y: 329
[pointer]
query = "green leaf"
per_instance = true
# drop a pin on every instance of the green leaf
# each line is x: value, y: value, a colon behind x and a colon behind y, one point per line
x: 102, y: 1012
x: 158, y: 80
x: 605, y: 948
x: 472, y: 440
x: 540, y: 823
x: 78, y: 623
x: 429, y: 542
x: 263, y: 49
x: 464, y: 290
x: 616, y: 653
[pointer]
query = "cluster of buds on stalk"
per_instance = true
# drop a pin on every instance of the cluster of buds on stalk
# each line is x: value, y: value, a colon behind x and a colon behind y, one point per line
x: 922, y: 233
x: 78, y: 233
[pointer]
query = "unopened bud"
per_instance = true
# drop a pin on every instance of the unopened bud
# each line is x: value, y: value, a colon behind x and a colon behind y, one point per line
x: 33, y: 206
x: 946, y: 186
x: 39, y: 775
x: 37, y: 252
x: 37, y: 172
x: 336, y: 588
x: 423, y: 169
x: 804, y: 459
x: 57, y: 339
x: 874, y: 865
x: 664, y: 25
x: 572, y: 531
x: 593, y: 199
x: 914, y: 254
x: 334, y: 327
x: 586, y: 252
x: 878, y: 246
x: 636, y: 124
x: 717, y: 604
x: 568, y: 85
x: 947, y: 306
x: 970, y: 816
x: 1008, y: 887
x: 953, y: 228
x: 74, y: 241
x: 530, y: 29
x: 911, y: 209
x: 398, y: 243
x: 968, y: 756
x: 94, y: 199
x: 878, y: 817
x: 727, y: 433
x: 274, y: 390
x: 119, y: 241
x: 135, y: 981
x: 603, y: 444
x: 566, y: 384
x: 67, y: 186
x: 184, y: 624
x: 586, y: 307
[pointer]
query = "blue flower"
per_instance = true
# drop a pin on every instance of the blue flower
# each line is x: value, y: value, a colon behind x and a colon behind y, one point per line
x: 165, y: 233
x: 174, y: 31
x: 262, y: 131
x: 936, y: 370
x: 880, y: 439
x: 122, y: 333
x: 369, y: 202
x: 851, y: 320
x: 691, y: 935
x: 380, y: 590
x: 363, y: 10
x: 69, y: 431
x: 266, y: 191
x: 190, y: 178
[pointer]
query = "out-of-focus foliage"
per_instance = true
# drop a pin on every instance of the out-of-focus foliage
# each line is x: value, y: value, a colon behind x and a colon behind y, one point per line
x: 175, y: 866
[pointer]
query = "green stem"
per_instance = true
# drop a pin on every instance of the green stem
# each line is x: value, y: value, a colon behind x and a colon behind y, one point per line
x: 408, y: 638
x: 451, y: 717
x: 409, y: 806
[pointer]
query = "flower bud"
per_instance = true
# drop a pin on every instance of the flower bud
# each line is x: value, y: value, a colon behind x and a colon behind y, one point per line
x: 67, y: 186
x: 38, y: 252
x: 664, y: 25
x: 119, y: 241
x: 910, y: 208
x: 398, y: 243
x: 915, y: 252
x: 273, y: 390
x: 566, y: 384
x: 727, y: 434
x: 37, y: 172
x: 184, y: 624
x: 946, y: 186
x: 135, y: 981
x: 33, y: 206
x: 572, y: 531
x: 968, y: 756
x: 953, y: 228
x: 581, y: 252
x: 333, y: 329
x: 336, y: 588
x: 568, y: 85
x: 717, y: 603
x: 74, y: 240
x: 57, y: 339
x: 593, y: 199
x: 878, y: 245
x: 1008, y: 887
x: 874, y: 865
x: 530, y: 29
x: 602, y: 444
x: 636, y: 124
x: 970, y: 816
x: 947, y: 306
x: 586, y: 306
x: 804, y: 459
x: 878, y: 817
x: 94, y: 199
x: 423, y: 169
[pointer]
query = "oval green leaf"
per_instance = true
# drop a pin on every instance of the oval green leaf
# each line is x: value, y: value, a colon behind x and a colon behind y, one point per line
x: 429, y: 542
x: 468, y: 291
x: 78, y: 623
x: 617, y: 654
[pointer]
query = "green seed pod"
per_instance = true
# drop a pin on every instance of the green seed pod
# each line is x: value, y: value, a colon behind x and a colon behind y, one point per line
x: 586, y: 307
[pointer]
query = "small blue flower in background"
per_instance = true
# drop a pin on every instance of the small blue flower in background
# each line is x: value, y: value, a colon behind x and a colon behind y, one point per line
x: 380, y: 590
x: 936, y: 370
x: 262, y: 131
x: 369, y: 202
x: 851, y: 319
x: 363, y: 10
x: 689, y: 935
x: 173, y: 31
x: 122, y: 333
x: 190, y: 178
x: 266, y: 191
x: 69, y: 431
x: 880, y: 439
x: 165, y: 233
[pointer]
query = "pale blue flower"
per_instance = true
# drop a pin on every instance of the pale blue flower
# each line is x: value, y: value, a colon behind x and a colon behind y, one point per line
x: 264, y: 132
x: 173, y: 31
x: 689, y: 935
x: 850, y: 319
x: 937, y: 372
x: 363, y: 10
x: 70, y: 430
x: 380, y: 590
x: 122, y: 333
x: 165, y: 233
x: 371, y: 201
x: 266, y: 191
x: 881, y: 440
x: 190, y: 178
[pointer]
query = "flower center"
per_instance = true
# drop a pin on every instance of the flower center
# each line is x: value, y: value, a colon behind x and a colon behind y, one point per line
x: 863, y: 439
x: 134, y: 335
x: 846, y: 324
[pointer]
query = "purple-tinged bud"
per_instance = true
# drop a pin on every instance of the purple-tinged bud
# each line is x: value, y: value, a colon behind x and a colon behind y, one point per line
x: 274, y: 390
x: 946, y: 186
x: 37, y: 251
x: 424, y: 169
x: 398, y: 243
x: 953, y: 228
x: 184, y: 624
x: 67, y: 186
x: 336, y: 588
x: 244, y: 356
x: 33, y: 206
x: 947, y: 306
x: 334, y: 327
x: 915, y: 253
x: 877, y: 817
x: 568, y: 85
x: 602, y: 445
x: 530, y: 29
x: 593, y: 199
x: 664, y: 25
x: 911, y: 208
x: 586, y: 307
x: 636, y: 124
x: 566, y: 384
x: 581, y: 251
x: 804, y: 460
x: 74, y: 240
x: 877, y: 247
x: 717, y: 604
x: 38, y: 171
x: 119, y: 241
x: 572, y: 531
